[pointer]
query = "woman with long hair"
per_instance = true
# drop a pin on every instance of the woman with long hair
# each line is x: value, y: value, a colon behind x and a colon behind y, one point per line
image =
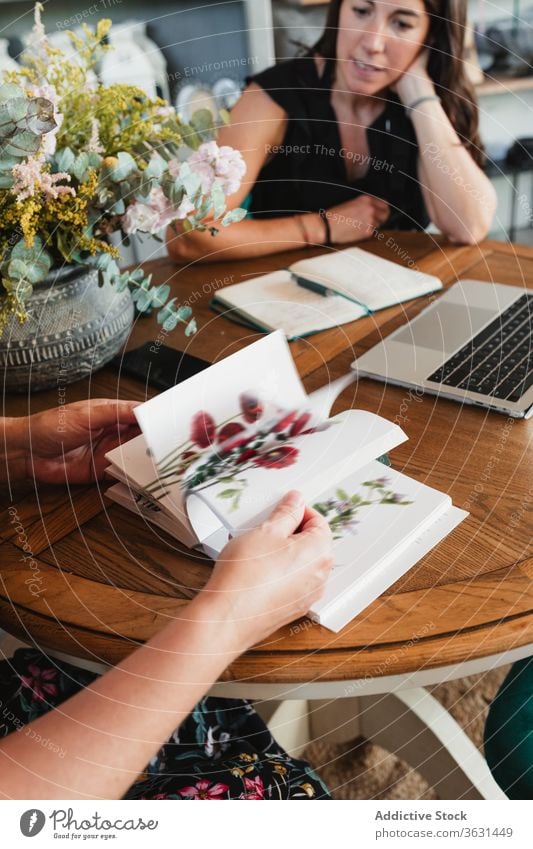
x: 375, y: 126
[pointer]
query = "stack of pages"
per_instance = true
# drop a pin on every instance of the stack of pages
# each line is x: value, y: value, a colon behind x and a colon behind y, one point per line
x: 323, y: 292
x: 218, y: 451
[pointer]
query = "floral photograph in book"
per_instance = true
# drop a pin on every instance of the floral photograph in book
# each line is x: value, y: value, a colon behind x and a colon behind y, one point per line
x: 341, y: 510
x: 260, y: 436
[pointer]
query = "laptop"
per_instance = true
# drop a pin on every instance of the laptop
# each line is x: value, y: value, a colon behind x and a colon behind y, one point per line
x: 473, y: 344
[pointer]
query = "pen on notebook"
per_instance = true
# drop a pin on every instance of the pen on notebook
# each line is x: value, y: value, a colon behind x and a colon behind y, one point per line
x: 315, y: 287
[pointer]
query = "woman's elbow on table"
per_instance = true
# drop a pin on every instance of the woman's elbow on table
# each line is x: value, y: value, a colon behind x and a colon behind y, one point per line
x: 473, y: 227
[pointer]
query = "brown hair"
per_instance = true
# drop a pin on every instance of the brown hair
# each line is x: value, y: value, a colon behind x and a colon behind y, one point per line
x: 445, y: 42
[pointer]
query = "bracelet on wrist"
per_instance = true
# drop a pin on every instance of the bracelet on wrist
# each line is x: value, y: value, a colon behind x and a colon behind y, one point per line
x: 420, y: 100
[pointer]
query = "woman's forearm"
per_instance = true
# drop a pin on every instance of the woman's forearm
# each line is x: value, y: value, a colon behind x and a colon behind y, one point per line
x: 461, y: 197
x: 109, y: 731
x: 249, y: 238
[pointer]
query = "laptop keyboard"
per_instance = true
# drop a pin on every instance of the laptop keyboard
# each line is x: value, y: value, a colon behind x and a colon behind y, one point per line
x: 498, y: 361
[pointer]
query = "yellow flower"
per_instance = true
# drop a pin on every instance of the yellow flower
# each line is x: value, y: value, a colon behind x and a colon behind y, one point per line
x: 237, y: 772
x: 309, y: 789
x: 244, y: 756
x: 280, y: 769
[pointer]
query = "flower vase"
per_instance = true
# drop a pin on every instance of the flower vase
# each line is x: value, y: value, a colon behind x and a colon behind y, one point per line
x: 74, y: 327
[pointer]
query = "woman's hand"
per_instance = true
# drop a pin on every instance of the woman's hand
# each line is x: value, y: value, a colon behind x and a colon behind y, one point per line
x: 355, y: 220
x: 415, y: 82
x: 68, y: 443
x: 272, y: 575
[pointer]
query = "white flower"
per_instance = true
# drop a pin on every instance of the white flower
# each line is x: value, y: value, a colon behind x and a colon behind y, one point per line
x: 140, y: 216
x: 94, y: 145
x: 155, y: 214
x: 230, y: 169
x: 213, y: 163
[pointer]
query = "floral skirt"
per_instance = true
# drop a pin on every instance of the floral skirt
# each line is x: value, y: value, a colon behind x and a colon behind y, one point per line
x: 223, y: 750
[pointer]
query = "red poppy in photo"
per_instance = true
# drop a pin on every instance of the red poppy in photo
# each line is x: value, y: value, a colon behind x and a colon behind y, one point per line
x: 228, y: 430
x: 278, y: 458
x: 251, y: 407
x: 284, y: 423
x: 299, y: 424
x: 203, y: 429
x: 246, y: 455
x: 236, y: 443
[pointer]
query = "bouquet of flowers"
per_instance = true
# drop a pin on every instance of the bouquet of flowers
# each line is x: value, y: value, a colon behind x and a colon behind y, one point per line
x: 80, y: 161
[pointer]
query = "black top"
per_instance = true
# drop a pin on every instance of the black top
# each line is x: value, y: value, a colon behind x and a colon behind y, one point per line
x: 308, y: 173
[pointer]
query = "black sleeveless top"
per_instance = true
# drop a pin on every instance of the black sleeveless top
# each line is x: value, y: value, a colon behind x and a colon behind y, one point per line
x: 308, y: 171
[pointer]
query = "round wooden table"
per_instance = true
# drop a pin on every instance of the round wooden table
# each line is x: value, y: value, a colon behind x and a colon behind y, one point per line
x: 107, y: 582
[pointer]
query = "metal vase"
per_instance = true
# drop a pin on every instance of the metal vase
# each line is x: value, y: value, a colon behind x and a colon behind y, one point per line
x: 74, y: 327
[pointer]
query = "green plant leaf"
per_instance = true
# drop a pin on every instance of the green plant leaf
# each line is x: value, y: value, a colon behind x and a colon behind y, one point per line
x: 9, y: 91
x: 233, y: 216
x: 63, y: 159
x: 124, y: 167
x: 40, y: 116
x: 23, y: 144
x: 80, y: 166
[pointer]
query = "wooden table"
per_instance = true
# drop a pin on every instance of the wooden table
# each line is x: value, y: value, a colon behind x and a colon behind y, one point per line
x: 109, y: 582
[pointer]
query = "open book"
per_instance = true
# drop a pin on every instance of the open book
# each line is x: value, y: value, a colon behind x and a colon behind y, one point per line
x: 218, y: 452
x: 322, y: 292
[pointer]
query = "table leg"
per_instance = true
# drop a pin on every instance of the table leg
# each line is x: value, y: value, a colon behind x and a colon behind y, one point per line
x: 418, y: 729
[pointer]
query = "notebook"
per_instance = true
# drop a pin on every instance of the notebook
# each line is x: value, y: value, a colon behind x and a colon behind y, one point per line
x: 323, y: 292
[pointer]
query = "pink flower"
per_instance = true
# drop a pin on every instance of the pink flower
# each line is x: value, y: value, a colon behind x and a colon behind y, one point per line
x: 39, y: 682
x: 203, y: 790
x: 155, y: 214
x: 255, y: 788
x: 213, y: 163
x: 278, y: 458
x: 30, y: 179
x: 203, y: 429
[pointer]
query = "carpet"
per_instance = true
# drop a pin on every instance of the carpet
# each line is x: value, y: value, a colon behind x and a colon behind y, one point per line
x: 360, y: 769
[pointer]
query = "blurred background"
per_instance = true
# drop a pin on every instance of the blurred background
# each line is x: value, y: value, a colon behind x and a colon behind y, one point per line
x: 198, y: 53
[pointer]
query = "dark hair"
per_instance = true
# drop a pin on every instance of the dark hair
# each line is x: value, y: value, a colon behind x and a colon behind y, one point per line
x: 445, y: 41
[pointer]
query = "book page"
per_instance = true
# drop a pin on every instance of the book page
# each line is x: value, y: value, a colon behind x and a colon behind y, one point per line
x: 373, y: 514
x: 244, y: 481
x: 275, y: 302
x: 212, y: 407
x: 368, y: 279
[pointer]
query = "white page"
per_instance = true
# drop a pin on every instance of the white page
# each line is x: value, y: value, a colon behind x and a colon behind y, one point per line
x: 263, y: 373
x: 243, y: 492
x: 378, y: 529
x: 265, y: 370
x: 274, y: 301
x: 355, y: 599
x: 370, y: 280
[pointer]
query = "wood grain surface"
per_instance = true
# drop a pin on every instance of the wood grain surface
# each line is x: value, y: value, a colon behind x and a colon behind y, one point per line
x: 110, y: 581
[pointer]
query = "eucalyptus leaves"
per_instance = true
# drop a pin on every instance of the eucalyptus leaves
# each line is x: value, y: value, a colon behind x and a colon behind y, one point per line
x: 80, y: 161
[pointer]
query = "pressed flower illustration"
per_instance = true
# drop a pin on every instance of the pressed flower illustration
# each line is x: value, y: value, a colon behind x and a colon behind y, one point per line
x: 341, y: 510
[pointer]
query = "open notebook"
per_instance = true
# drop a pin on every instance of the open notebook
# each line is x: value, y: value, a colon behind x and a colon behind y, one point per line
x: 218, y: 451
x: 322, y: 292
